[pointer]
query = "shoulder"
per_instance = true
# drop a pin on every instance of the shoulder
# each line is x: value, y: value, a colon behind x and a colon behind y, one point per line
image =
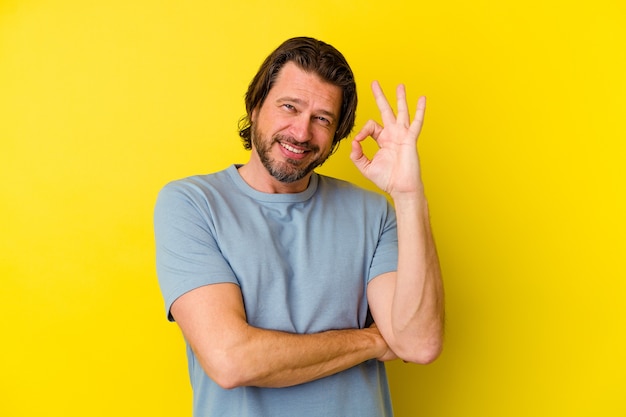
x: 197, y: 183
x: 191, y: 197
x: 196, y: 187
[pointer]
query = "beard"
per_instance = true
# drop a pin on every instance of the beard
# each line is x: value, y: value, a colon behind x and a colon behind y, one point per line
x: 290, y: 170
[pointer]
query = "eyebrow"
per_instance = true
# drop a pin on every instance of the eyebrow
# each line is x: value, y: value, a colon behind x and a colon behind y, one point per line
x: 300, y: 101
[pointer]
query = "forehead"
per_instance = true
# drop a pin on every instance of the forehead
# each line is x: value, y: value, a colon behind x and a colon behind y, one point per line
x: 293, y: 81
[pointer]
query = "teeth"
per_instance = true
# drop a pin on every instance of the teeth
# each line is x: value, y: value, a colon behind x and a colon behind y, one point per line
x: 291, y: 148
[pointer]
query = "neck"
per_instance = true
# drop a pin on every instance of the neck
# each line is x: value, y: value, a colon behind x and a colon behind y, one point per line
x: 257, y: 177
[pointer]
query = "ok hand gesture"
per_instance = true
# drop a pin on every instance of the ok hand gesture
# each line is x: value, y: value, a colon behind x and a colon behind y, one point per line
x: 395, y: 167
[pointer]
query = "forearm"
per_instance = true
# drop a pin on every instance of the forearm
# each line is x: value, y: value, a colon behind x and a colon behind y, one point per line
x: 417, y: 309
x: 266, y: 358
x: 233, y: 353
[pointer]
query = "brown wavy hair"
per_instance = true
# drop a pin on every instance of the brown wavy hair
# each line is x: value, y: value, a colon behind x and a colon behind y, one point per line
x: 311, y: 55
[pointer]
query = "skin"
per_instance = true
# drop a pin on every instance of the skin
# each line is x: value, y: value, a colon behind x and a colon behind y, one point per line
x: 294, y: 129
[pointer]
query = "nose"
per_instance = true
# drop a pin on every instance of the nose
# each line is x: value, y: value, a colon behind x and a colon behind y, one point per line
x: 301, y: 128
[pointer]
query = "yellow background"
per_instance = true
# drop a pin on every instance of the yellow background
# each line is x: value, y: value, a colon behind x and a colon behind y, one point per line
x: 102, y: 103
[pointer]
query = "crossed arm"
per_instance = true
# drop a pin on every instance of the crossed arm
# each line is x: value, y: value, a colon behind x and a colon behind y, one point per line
x: 407, y: 305
x: 233, y: 353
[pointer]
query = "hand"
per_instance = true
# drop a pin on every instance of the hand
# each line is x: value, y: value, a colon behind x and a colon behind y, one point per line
x: 395, y: 167
x: 387, y: 354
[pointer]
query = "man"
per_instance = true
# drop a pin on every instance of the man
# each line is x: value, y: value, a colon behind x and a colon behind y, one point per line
x: 274, y: 272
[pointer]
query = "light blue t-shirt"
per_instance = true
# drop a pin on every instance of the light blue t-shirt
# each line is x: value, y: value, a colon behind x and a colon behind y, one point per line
x: 302, y: 262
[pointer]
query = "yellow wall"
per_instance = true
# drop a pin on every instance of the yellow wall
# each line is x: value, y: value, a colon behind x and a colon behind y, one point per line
x: 523, y: 155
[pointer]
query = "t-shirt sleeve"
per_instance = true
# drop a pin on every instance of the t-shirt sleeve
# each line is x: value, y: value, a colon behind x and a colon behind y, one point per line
x: 386, y: 253
x: 187, y: 254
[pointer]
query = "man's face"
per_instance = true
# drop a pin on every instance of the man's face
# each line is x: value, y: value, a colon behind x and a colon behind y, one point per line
x: 293, y: 131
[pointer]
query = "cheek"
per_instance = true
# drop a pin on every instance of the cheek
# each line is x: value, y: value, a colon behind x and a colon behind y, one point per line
x: 325, y: 137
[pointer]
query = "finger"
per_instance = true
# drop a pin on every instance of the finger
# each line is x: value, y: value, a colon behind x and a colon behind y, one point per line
x: 357, y: 156
x: 370, y: 129
x: 386, y: 112
x: 403, y: 107
x: 418, y: 120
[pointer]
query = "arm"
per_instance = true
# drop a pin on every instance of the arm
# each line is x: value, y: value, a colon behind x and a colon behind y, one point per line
x: 233, y: 353
x: 407, y: 305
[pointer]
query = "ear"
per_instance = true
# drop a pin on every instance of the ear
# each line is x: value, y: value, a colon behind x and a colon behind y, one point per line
x: 254, y: 113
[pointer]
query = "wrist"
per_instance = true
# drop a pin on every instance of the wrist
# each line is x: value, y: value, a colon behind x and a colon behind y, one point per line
x: 378, y: 345
x: 411, y: 202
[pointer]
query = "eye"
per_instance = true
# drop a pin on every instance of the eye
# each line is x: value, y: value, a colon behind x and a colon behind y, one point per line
x: 289, y: 107
x: 323, y: 120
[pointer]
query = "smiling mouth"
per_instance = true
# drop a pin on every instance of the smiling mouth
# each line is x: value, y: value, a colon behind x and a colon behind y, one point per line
x: 291, y: 148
